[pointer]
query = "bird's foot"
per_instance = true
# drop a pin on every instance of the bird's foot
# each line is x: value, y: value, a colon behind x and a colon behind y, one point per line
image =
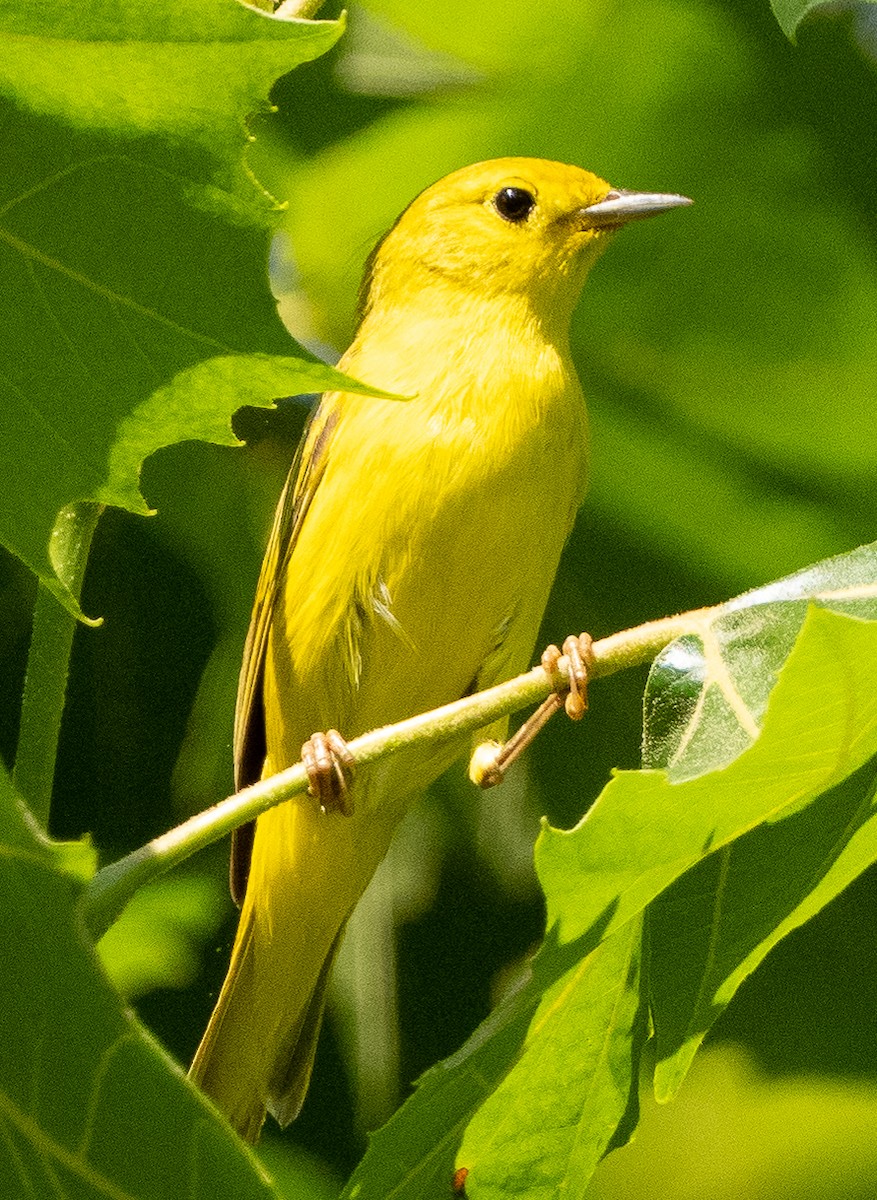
x: 329, y: 764
x: 579, y: 653
x: 491, y: 760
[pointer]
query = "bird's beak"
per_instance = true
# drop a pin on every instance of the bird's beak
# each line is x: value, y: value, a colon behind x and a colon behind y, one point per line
x: 619, y: 207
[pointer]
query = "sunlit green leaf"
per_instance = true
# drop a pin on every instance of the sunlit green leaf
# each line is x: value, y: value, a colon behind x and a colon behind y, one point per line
x: 716, y: 924
x: 705, y: 701
x: 133, y: 70
x: 20, y: 833
x: 642, y: 833
x: 707, y: 692
x: 571, y: 1095
x: 644, y: 830
x: 134, y: 271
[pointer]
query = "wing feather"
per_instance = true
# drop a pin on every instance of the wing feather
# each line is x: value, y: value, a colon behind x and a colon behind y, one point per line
x: 304, y: 476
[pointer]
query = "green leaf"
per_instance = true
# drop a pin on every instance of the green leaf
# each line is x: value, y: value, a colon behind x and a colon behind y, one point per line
x: 133, y: 70
x: 790, y: 13
x: 89, y: 1104
x: 296, y: 1174
x: 198, y: 404
x: 572, y: 1094
x: 414, y: 1154
x: 705, y: 702
x: 715, y: 925
x: 643, y: 832
x: 21, y: 835
x: 132, y: 257
x: 707, y: 692
x: 583, y: 1021
x: 738, y: 1131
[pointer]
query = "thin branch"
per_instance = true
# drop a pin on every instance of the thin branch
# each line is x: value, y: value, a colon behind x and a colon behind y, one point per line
x: 114, y: 885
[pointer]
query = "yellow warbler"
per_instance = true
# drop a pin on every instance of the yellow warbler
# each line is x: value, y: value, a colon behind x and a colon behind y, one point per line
x: 410, y: 562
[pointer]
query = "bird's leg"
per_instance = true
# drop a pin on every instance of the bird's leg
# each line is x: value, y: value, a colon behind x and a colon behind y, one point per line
x: 328, y: 763
x: 491, y: 760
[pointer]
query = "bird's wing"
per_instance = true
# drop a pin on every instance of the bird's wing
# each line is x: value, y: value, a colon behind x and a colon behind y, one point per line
x: 304, y: 476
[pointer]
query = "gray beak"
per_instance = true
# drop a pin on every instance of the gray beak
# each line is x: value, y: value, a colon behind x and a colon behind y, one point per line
x: 619, y: 207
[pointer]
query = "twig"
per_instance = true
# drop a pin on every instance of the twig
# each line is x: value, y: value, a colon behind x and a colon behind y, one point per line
x: 114, y: 885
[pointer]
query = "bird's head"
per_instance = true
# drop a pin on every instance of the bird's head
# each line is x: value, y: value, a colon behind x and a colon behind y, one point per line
x: 509, y: 225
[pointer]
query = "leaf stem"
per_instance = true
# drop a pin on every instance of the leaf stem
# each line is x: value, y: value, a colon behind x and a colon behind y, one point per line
x: 48, y: 660
x: 114, y: 885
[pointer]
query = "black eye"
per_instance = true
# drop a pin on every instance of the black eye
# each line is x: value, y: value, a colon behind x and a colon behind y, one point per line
x: 514, y: 203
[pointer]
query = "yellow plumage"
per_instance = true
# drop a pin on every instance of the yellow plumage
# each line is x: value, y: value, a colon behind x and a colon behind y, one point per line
x: 410, y: 563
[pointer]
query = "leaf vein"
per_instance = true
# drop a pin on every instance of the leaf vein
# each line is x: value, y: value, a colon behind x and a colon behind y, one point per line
x: 99, y: 289
x: 717, y: 668
x: 100, y: 1075
x: 16, y: 1158
x: 49, y: 1148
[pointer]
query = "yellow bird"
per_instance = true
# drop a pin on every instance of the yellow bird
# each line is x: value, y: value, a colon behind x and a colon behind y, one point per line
x: 410, y: 562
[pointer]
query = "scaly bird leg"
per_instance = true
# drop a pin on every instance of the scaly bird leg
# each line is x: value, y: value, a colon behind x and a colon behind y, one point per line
x: 329, y: 763
x: 491, y: 760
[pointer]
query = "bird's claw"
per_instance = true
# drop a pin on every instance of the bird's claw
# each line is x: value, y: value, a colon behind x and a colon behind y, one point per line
x: 491, y: 760
x: 329, y: 763
x: 579, y: 653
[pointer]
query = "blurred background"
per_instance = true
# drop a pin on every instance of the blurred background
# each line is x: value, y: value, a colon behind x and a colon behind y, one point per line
x: 729, y: 357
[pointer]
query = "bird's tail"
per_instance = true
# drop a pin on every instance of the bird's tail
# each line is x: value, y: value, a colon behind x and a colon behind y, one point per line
x: 227, y: 1064
x: 245, y: 1068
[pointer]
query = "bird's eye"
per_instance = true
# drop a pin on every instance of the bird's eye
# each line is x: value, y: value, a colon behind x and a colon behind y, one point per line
x: 514, y: 204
